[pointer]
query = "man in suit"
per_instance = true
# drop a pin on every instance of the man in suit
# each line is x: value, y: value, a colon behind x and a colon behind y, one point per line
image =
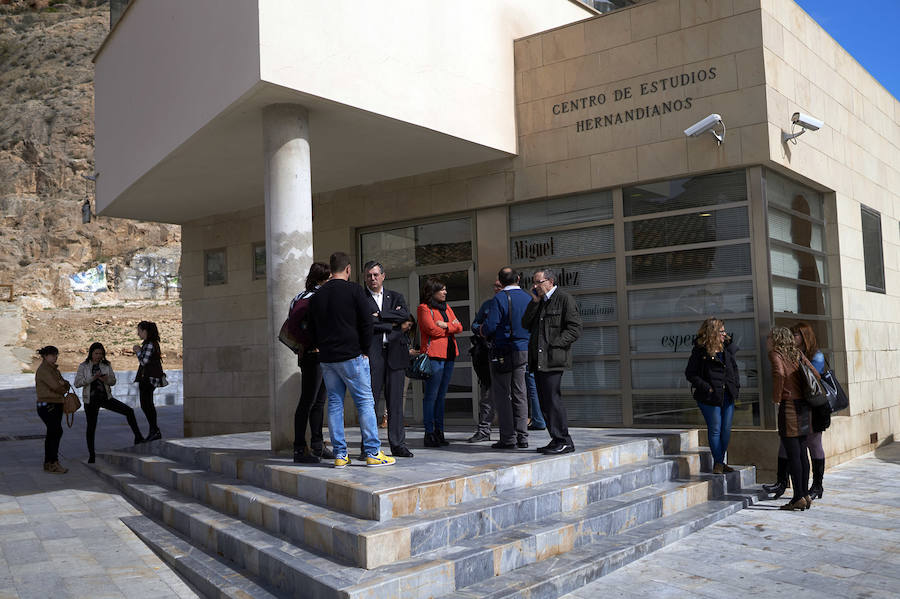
x: 388, y: 352
x: 553, y: 320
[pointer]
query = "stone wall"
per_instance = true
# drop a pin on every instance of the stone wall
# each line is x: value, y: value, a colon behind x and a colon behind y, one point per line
x: 225, y: 347
x: 857, y: 155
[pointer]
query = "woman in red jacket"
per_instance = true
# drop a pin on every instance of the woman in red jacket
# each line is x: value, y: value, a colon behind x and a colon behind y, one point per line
x: 437, y: 326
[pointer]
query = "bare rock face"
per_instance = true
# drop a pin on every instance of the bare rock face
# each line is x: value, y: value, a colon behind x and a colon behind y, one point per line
x: 46, y: 145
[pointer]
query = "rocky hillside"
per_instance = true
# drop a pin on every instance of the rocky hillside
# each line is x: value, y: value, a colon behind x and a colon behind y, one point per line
x: 46, y: 145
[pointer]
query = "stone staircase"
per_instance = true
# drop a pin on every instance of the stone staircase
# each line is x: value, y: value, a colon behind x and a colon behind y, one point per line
x: 464, y: 521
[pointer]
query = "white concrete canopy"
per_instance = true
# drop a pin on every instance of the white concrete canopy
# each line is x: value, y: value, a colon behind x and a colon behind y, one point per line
x: 392, y: 90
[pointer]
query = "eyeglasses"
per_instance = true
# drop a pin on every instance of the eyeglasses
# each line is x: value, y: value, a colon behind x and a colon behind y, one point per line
x: 722, y: 331
x: 542, y: 281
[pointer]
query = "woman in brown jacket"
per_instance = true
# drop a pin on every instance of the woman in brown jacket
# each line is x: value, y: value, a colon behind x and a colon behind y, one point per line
x: 51, y: 388
x: 793, y: 411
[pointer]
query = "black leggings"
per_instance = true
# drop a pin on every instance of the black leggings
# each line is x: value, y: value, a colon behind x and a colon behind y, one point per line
x: 311, y: 407
x: 52, y: 414
x: 92, y: 410
x: 798, y: 464
x: 146, y: 389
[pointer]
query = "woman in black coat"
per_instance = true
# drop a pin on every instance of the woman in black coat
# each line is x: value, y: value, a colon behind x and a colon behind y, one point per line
x: 713, y: 373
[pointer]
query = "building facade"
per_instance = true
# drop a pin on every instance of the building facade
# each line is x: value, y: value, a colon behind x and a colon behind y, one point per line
x: 650, y: 230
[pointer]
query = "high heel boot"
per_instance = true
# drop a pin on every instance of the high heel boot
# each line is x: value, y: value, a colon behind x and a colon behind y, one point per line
x: 818, y: 471
x: 781, y: 483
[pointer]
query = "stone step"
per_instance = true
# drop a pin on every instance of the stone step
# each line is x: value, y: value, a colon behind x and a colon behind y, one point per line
x: 412, y: 487
x: 562, y: 574
x: 292, y: 569
x: 210, y: 576
x: 369, y: 544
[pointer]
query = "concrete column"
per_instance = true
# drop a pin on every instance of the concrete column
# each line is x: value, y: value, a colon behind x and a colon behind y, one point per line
x: 289, y: 250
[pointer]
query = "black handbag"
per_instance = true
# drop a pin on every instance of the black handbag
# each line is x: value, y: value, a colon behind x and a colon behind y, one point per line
x: 814, y: 392
x: 420, y: 367
x: 837, y: 399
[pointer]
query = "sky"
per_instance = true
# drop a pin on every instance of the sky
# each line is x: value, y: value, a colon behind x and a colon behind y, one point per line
x: 868, y: 29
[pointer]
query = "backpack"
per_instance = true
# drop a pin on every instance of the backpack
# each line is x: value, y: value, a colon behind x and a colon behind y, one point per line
x: 295, y: 330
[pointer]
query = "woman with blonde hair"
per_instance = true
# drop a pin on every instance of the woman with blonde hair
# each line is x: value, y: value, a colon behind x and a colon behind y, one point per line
x: 713, y: 373
x: 820, y: 420
x: 793, y: 411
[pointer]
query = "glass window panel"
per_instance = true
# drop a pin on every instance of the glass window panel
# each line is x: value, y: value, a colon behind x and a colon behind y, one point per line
x: 462, y: 314
x: 781, y: 191
x: 561, y: 211
x: 457, y: 283
x: 798, y: 298
x: 796, y: 264
x: 463, y: 343
x: 680, y: 409
x: 592, y: 376
x: 705, y: 190
x: 702, y: 263
x: 821, y: 328
x: 443, y: 242
x: 596, y: 307
x: 461, y: 380
x: 795, y: 229
x: 579, y: 275
x: 259, y: 260
x: 597, y: 341
x: 594, y: 410
x: 562, y: 244
x: 873, y: 256
x: 394, y: 249
x: 215, y: 267
x: 668, y: 373
x: 682, y: 229
x: 678, y: 337
x: 692, y: 301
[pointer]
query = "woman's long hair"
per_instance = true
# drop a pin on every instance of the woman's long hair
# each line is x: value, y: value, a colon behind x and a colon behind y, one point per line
x: 318, y: 272
x: 783, y: 343
x: 810, y: 346
x: 708, y: 335
x: 96, y: 345
x: 152, y: 331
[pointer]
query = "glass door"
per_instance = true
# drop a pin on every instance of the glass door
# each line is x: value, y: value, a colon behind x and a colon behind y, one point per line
x: 412, y: 253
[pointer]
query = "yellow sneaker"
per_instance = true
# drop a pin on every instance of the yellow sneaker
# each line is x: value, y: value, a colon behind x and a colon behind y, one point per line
x: 379, y: 460
x: 341, y: 461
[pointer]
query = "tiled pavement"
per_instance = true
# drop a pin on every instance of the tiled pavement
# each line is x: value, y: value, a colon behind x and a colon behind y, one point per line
x: 61, y: 536
x: 847, y: 545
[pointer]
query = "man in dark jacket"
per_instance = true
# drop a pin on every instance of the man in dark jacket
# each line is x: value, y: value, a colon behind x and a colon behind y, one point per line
x: 340, y: 324
x: 509, y: 346
x: 388, y: 352
x: 483, y: 372
x: 554, y: 322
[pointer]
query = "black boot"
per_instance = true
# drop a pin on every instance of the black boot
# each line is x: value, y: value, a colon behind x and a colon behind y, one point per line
x: 431, y: 440
x: 818, y: 471
x: 781, y: 482
x: 440, y: 437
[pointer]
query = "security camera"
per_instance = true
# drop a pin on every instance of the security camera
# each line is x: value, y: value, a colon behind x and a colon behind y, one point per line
x: 703, y: 126
x: 707, y: 124
x: 806, y: 122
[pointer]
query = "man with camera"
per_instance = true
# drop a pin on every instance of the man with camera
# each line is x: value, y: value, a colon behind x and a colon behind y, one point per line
x: 554, y: 323
x: 509, y: 354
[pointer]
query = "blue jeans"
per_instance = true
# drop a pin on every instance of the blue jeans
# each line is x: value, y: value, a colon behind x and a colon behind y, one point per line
x: 435, y: 390
x: 352, y: 375
x: 718, y: 426
x: 537, y: 418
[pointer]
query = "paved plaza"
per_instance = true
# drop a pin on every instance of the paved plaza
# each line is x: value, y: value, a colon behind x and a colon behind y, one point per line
x: 61, y: 536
